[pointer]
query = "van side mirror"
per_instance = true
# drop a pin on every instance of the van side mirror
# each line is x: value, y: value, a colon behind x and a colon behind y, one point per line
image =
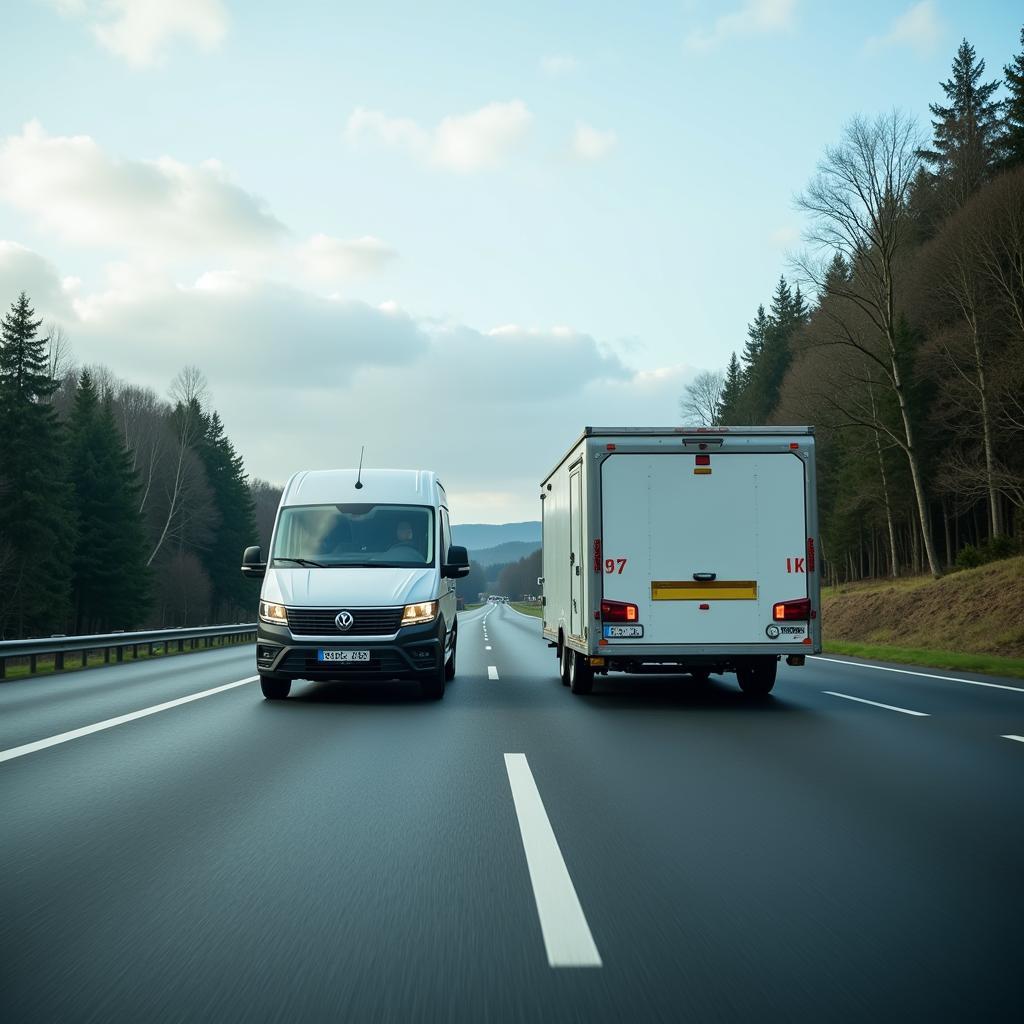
x: 457, y: 564
x: 253, y: 566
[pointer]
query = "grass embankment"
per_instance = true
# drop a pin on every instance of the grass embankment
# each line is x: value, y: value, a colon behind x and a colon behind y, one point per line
x: 972, y: 620
x: 527, y: 609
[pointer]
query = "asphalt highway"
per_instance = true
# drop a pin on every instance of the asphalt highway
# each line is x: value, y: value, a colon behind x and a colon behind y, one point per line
x: 848, y: 849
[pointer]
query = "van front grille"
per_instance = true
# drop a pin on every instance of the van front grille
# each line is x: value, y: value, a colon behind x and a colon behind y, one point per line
x: 368, y: 621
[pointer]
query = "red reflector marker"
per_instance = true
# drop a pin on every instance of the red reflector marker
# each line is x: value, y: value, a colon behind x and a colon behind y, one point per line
x: 610, y: 447
x: 793, y: 444
x: 702, y: 460
x: 704, y: 607
x: 810, y: 554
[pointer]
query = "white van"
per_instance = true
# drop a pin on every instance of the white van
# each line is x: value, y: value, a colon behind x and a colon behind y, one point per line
x: 359, y: 582
x: 676, y: 549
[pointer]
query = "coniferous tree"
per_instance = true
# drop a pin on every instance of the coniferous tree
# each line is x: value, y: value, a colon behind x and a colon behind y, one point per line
x: 1012, y: 143
x: 966, y: 138
x: 732, y: 392
x: 236, y: 521
x: 757, y: 332
x: 109, y: 575
x: 36, y: 520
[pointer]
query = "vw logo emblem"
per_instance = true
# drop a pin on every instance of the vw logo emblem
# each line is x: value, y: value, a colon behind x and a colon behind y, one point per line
x: 344, y: 620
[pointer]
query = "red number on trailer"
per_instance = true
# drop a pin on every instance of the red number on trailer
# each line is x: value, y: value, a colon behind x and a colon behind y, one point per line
x: 610, y: 565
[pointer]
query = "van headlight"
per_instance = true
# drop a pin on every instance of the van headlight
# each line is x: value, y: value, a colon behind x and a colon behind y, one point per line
x: 425, y: 611
x: 275, y: 613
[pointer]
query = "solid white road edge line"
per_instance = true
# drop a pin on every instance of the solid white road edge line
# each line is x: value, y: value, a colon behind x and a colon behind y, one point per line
x: 874, y: 703
x: 492, y: 671
x: 567, y: 935
x: 926, y: 675
x: 1010, y: 736
x: 74, y: 734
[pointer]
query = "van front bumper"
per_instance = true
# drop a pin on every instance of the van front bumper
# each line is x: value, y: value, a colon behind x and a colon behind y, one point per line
x: 412, y: 653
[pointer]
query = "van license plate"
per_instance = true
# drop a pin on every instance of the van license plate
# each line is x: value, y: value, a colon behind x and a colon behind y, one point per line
x: 623, y: 631
x: 323, y: 655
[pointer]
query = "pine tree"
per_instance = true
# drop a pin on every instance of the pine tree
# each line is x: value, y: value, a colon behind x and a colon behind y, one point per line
x: 756, y: 334
x: 36, y: 520
x: 966, y: 139
x: 110, y: 582
x: 732, y: 391
x: 236, y: 520
x: 837, y: 276
x: 1012, y: 143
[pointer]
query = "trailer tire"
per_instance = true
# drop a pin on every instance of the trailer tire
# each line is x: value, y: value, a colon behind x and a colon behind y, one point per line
x: 564, y: 655
x: 581, y: 674
x: 757, y: 678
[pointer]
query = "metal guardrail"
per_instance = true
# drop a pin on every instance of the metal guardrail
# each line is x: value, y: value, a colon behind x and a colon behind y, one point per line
x: 61, y: 646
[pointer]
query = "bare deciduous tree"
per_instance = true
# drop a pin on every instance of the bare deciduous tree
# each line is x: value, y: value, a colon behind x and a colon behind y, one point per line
x: 858, y: 208
x: 703, y: 398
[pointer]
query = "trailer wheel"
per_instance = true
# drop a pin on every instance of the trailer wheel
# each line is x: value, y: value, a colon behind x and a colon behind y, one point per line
x: 564, y: 655
x: 581, y: 673
x: 757, y: 678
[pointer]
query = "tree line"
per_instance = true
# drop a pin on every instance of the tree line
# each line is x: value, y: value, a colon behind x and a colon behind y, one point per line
x: 909, y: 359
x: 118, y: 509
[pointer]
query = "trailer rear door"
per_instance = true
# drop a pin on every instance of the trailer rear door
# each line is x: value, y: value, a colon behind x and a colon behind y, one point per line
x: 705, y: 551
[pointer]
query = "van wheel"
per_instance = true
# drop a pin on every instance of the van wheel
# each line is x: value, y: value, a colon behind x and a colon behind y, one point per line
x: 581, y: 674
x: 757, y: 678
x: 449, y: 665
x: 432, y: 686
x: 564, y: 655
x: 275, y: 689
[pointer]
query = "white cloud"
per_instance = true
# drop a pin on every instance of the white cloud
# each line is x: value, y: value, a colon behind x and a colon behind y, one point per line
x: 469, y: 142
x: 590, y: 144
x: 340, y: 374
x: 919, y: 27
x: 87, y: 197
x: 558, y: 64
x: 785, y: 235
x: 330, y: 259
x: 754, y: 17
x: 139, y: 30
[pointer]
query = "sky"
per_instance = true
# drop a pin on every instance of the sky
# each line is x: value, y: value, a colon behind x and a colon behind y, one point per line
x: 455, y: 233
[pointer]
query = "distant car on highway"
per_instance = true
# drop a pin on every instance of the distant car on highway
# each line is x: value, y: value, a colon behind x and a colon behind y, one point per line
x: 360, y: 581
x: 682, y: 550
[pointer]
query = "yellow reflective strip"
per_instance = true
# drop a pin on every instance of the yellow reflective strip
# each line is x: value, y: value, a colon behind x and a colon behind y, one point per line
x: 716, y: 590
x: 701, y: 470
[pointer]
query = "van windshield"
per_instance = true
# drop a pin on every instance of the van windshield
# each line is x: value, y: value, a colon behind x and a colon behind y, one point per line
x: 335, y: 536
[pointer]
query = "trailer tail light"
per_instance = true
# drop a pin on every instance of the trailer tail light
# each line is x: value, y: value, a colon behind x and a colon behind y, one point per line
x: 810, y: 554
x: 619, y: 611
x: 792, y: 611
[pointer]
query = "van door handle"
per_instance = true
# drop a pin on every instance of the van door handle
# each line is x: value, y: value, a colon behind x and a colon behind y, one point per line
x: 705, y: 577
x: 577, y: 570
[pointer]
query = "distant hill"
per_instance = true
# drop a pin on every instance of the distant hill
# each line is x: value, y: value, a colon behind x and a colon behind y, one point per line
x: 478, y: 536
x: 500, y: 554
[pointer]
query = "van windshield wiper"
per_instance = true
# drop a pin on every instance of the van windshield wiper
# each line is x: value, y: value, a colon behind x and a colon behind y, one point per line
x: 304, y: 562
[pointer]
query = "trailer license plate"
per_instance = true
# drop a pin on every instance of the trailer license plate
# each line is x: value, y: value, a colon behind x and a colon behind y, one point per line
x: 323, y: 655
x: 623, y: 631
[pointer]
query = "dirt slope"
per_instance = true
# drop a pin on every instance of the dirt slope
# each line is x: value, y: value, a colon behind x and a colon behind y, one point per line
x: 978, y: 611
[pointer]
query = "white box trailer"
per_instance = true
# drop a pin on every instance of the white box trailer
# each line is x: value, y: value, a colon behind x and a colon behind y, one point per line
x: 675, y: 549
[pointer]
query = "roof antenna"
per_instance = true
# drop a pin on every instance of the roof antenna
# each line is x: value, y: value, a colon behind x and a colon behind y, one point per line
x: 359, y: 475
